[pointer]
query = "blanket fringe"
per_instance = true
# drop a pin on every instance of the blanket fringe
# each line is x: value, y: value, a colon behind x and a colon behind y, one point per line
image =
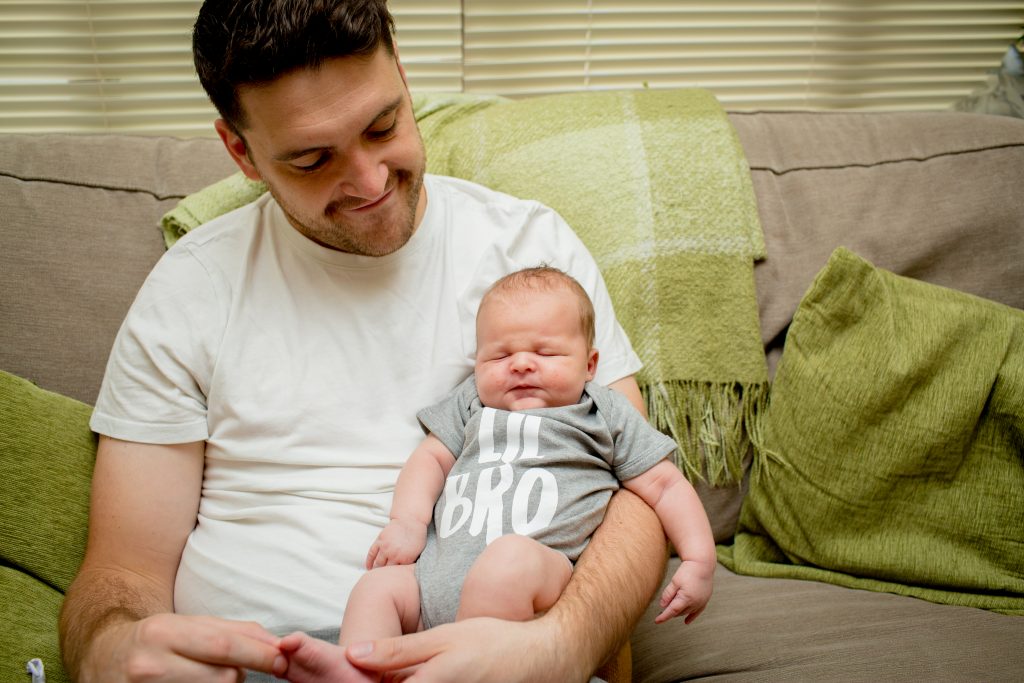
x: 715, y: 425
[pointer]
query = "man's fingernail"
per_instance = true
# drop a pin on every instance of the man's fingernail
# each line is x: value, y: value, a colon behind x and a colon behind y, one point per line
x: 360, y: 649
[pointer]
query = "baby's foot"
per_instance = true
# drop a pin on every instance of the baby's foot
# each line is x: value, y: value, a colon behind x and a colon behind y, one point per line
x: 311, y: 660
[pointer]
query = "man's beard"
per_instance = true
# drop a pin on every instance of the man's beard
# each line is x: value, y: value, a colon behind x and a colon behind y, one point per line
x: 374, y: 235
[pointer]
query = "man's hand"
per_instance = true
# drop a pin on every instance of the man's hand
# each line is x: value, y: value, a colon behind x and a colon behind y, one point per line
x: 480, y: 649
x: 401, y: 542
x: 174, y: 647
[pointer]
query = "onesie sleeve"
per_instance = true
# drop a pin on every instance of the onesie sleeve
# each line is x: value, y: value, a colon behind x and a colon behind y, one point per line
x: 447, y: 419
x: 638, y: 445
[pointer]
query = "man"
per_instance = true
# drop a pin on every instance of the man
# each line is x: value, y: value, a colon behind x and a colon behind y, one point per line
x: 261, y: 395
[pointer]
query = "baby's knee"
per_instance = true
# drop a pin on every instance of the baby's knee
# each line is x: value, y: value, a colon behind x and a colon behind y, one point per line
x: 510, y: 560
x: 514, y: 578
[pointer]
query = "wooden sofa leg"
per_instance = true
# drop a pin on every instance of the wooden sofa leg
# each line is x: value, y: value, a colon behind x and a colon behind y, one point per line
x: 619, y: 667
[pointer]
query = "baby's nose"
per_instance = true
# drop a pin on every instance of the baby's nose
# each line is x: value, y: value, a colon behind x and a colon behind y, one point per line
x: 522, y: 362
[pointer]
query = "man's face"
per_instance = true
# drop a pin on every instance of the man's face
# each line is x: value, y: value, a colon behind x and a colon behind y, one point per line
x: 531, y: 351
x: 339, y: 148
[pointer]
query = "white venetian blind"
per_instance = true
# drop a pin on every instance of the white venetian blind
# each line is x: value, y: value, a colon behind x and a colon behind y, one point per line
x: 126, y: 66
x: 814, y: 54
x: 93, y: 66
x: 88, y: 66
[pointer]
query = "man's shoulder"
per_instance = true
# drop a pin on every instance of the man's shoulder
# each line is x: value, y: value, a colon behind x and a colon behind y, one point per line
x: 209, y: 256
x: 240, y: 224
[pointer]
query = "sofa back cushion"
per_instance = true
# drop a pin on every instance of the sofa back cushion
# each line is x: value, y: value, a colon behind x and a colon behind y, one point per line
x: 930, y: 195
x: 81, y: 231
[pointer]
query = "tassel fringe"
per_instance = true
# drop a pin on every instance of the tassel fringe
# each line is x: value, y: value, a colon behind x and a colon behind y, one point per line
x: 715, y: 426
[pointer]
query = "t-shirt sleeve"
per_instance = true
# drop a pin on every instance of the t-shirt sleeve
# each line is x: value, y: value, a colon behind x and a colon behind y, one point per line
x: 638, y: 445
x: 447, y: 419
x: 157, y: 375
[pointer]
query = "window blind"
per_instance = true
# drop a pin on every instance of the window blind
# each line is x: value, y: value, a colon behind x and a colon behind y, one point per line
x: 808, y: 54
x: 89, y: 66
x: 126, y: 66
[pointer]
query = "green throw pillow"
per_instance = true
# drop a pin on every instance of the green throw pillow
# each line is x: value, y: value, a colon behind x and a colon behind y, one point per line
x: 898, y: 412
x: 29, y: 629
x: 47, y: 450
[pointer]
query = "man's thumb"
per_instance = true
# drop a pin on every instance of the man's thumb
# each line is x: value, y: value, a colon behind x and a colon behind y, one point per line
x: 391, y: 654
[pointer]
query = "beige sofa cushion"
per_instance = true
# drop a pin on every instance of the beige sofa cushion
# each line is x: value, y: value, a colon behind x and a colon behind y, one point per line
x: 933, y: 196
x: 81, y: 231
x: 763, y: 630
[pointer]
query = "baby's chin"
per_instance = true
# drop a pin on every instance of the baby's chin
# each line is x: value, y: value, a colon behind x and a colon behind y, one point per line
x: 524, y: 403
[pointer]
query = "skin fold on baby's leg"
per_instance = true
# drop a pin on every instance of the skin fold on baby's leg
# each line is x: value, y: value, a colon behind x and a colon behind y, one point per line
x: 384, y: 603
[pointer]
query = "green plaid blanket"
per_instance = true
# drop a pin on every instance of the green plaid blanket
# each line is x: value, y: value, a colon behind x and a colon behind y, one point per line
x: 656, y: 185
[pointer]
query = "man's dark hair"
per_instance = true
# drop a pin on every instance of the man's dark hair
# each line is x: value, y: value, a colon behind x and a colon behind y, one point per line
x: 253, y: 42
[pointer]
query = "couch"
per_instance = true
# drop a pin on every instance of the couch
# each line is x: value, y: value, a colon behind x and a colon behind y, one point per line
x: 933, y: 198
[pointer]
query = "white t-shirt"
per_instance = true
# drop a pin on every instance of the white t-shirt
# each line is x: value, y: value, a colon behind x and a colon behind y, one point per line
x: 303, y: 369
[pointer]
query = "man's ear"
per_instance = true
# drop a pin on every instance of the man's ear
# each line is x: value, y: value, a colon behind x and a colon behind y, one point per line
x: 235, y: 145
x: 592, y: 364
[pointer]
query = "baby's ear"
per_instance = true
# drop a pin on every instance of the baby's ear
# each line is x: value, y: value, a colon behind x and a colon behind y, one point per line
x: 592, y: 364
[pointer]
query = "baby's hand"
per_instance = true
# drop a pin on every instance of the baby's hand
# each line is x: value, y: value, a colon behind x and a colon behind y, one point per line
x: 688, y: 592
x: 401, y: 542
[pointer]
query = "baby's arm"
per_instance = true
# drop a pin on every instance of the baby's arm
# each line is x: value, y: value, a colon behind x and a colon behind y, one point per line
x: 419, y: 484
x: 686, y: 524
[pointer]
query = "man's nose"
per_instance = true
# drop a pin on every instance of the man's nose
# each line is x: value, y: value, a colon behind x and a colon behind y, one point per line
x: 365, y: 175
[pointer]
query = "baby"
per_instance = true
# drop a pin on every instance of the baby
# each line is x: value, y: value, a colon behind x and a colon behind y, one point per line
x: 498, y: 501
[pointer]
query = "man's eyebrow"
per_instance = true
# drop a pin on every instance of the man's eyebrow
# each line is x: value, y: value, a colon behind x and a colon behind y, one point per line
x: 299, y: 153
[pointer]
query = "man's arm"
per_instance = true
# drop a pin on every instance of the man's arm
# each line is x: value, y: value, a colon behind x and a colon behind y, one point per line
x: 613, y: 582
x: 117, y: 622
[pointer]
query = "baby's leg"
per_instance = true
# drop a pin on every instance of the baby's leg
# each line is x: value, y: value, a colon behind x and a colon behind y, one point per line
x: 385, y: 602
x: 514, y: 578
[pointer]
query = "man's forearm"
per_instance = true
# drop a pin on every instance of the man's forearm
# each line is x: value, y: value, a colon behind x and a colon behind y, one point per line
x: 615, y: 579
x: 96, y: 600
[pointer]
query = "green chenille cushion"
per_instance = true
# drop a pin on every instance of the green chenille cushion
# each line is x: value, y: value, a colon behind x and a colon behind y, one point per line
x: 47, y: 450
x: 898, y: 412
x: 29, y: 628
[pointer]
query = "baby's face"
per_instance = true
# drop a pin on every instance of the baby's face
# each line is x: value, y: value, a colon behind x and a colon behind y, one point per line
x: 531, y: 352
